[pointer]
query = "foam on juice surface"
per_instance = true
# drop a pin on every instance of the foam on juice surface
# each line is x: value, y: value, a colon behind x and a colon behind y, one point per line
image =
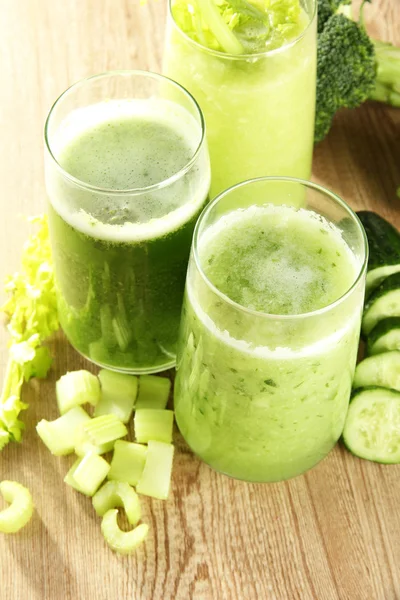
x: 124, y: 145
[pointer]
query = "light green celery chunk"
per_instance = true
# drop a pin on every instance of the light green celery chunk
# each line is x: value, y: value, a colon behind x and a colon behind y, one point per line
x: 60, y: 435
x: 87, y: 474
x: 118, y: 395
x: 153, y: 392
x: 75, y: 388
x: 154, y: 424
x: 19, y: 513
x: 118, y: 493
x: 127, y: 462
x: 83, y: 445
x: 104, y: 429
x: 123, y: 542
x: 156, y: 478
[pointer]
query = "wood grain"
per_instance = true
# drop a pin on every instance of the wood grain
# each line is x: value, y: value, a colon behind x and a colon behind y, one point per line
x: 333, y: 534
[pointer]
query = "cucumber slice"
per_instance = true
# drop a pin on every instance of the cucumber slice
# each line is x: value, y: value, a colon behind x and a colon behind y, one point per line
x: 383, y: 302
x: 153, y: 392
x: 127, y: 462
x: 382, y: 370
x: 123, y: 542
x: 19, y: 513
x: 372, y: 427
x: 118, y: 395
x: 60, y: 435
x: 87, y: 474
x: 156, y: 478
x: 385, y: 336
x: 75, y: 388
x: 118, y: 493
x: 154, y: 424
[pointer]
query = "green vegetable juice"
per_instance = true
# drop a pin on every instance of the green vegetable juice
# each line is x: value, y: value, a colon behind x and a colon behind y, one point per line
x: 121, y: 258
x: 258, y: 98
x: 262, y: 387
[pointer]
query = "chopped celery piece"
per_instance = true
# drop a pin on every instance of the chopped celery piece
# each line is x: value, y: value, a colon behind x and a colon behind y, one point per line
x: 118, y: 395
x: 123, y: 542
x: 75, y: 388
x: 104, y: 429
x: 87, y: 474
x: 127, y: 462
x: 156, y: 478
x: 19, y: 513
x: 60, y: 435
x: 153, y: 392
x: 118, y: 493
x: 83, y: 445
x: 154, y: 424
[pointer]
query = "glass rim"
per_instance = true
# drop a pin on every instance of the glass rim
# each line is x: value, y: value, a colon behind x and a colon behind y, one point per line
x: 237, y: 57
x: 272, y: 316
x: 136, y: 190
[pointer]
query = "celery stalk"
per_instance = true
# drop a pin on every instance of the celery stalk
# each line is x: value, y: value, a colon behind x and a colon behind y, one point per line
x: 75, y: 388
x: 114, y: 494
x: 123, y: 542
x: 104, y: 429
x: 118, y: 395
x: 19, y: 513
x: 128, y: 462
x: 156, y: 478
x: 87, y: 474
x: 154, y: 424
x: 153, y: 392
x: 60, y: 435
x: 226, y: 38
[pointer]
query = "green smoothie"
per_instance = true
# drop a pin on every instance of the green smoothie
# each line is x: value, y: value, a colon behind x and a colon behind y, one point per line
x: 262, y: 395
x: 252, y: 68
x: 121, y: 251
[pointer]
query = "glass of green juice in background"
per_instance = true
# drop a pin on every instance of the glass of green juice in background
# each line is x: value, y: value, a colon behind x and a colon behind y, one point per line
x: 270, y: 328
x: 127, y: 174
x: 255, y: 84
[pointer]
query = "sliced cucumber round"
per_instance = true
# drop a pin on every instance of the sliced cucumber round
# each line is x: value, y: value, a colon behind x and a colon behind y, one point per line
x: 372, y: 427
x: 382, y: 370
x: 384, y: 302
x: 385, y: 336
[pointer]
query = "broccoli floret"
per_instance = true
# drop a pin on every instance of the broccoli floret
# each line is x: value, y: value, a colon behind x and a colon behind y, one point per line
x: 327, y: 8
x: 346, y: 70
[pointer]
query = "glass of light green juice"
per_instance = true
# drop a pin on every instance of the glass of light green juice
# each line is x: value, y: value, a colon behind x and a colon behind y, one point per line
x: 127, y: 174
x: 270, y: 328
x: 255, y: 82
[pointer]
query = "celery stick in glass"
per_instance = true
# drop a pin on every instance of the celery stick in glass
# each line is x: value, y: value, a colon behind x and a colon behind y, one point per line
x: 19, y: 513
x: 156, y: 478
x: 123, y: 542
x: 118, y: 394
x: 154, y: 424
x: 128, y: 462
x: 75, y: 388
x: 114, y: 494
x: 87, y: 474
x: 60, y: 435
x: 153, y: 392
x: 104, y: 429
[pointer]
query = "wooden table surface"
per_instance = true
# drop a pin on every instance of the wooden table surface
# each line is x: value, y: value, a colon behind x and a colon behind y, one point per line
x: 331, y: 534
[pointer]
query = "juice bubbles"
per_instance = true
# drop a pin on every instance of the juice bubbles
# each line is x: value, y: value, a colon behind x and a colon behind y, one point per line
x: 126, y: 179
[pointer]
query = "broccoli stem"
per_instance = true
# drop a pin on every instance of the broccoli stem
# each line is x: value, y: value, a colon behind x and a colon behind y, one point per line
x: 387, y: 87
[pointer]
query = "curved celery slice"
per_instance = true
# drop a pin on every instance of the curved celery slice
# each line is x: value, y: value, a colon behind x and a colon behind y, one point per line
x: 154, y: 424
x: 83, y: 445
x: 118, y: 395
x: 60, y: 435
x: 156, y: 478
x: 128, y: 462
x: 153, y: 392
x: 87, y: 474
x: 104, y: 429
x: 19, y: 513
x: 117, y: 493
x: 123, y: 542
x: 75, y: 388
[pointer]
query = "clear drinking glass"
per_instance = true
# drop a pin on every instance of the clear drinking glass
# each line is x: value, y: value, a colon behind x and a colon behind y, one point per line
x: 263, y: 397
x: 259, y: 108
x: 127, y: 174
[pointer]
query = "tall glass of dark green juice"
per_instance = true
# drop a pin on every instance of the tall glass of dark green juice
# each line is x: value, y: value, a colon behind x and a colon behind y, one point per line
x: 127, y: 174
